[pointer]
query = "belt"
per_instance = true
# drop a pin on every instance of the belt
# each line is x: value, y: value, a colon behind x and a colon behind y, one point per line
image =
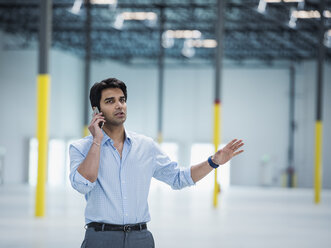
x: 110, y: 227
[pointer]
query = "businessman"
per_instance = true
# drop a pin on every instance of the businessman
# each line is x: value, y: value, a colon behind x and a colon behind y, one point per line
x: 113, y: 168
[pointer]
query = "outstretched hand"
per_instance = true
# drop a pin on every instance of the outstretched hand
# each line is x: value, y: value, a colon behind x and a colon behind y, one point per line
x: 229, y: 151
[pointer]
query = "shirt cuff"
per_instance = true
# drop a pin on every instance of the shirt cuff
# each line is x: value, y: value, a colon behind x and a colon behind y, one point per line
x: 82, y: 180
x: 187, y: 173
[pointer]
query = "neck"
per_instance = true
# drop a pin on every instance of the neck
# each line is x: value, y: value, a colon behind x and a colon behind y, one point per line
x: 116, y: 133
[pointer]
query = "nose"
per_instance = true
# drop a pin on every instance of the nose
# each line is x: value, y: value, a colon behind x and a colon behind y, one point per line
x: 118, y: 105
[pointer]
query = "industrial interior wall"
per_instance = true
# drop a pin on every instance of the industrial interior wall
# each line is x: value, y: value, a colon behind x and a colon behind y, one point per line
x: 18, y: 89
x: 305, y: 114
x: 142, y: 93
x: 255, y: 107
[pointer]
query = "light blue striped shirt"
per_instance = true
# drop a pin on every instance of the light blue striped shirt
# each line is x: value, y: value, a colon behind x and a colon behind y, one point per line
x: 119, y: 195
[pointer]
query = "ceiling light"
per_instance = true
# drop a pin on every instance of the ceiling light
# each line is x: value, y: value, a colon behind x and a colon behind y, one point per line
x: 167, y: 42
x: 183, y: 34
x: 327, y: 13
x: 273, y: 1
x: 188, y: 51
x: 310, y: 14
x: 207, y: 43
x: 262, y: 6
x: 103, y: 1
x: 304, y: 14
x: 76, y: 7
x: 118, y: 23
x: 293, y: 1
x: 327, y: 38
x: 293, y: 22
x: 139, y: 16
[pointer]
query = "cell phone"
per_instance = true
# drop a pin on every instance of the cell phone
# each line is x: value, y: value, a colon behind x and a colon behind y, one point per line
x: 96, y: 111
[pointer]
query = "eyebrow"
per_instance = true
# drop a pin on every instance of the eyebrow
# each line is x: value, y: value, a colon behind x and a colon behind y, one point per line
x: 112, y: 98
x: 109, y: 98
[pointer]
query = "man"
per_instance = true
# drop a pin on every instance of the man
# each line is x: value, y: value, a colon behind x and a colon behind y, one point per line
x: 113, y: 169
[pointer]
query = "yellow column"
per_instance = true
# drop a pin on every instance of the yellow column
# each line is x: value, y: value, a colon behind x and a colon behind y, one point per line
x: 43, y: 86
x: 217, y: 135
x: 159, y: 138
x: 318, y: 161
x: 86, y: 132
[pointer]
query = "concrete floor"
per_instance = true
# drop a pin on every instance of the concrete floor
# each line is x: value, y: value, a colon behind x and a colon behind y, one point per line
x: 246, y: 217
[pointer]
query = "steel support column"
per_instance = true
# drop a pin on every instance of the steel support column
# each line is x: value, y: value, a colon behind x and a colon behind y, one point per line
x: 161, y: 80
x: 43, y: 88
x: 87, y: 71
x: 319, y: 101
x: 218, y: 83
x: 291, y: 182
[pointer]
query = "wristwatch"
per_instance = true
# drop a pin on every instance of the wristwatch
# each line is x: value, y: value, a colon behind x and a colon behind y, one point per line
x: 212, y: 164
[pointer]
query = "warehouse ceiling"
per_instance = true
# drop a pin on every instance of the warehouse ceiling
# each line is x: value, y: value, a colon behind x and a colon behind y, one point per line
x: 254, y: 29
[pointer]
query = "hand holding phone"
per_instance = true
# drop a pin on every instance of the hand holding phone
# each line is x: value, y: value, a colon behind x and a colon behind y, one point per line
x: 96, y: 111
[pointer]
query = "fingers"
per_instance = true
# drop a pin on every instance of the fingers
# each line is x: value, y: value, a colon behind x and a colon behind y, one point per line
x: 230, y: 144
x: 97, y: 116
x: 238, y: 145
x: 98, y: 122
x: 97, y: 119
x: 235, y: 144
x: 238, y: 152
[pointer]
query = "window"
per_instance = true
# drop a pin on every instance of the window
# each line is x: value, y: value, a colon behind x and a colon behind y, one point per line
x: 200, y: 152
x: 58, y: 162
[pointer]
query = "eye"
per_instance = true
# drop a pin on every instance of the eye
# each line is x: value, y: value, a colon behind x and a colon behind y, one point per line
x: 122, y: 100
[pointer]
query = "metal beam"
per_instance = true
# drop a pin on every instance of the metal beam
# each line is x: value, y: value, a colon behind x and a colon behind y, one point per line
x: 290, y: 165
x: 161, y: 79
x: 87, y: 71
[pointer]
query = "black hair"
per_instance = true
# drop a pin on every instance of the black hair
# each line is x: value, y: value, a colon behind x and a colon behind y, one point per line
x: 97, y: 88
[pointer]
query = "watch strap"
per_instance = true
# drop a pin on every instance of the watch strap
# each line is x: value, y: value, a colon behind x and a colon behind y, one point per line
x: 212, y: 164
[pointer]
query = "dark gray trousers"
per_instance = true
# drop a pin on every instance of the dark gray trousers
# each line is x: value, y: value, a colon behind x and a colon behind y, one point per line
x: 118, y: 239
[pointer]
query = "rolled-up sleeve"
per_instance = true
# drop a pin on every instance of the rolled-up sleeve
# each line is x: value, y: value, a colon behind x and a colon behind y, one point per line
x: 169, y: 172
x: 78, y: 182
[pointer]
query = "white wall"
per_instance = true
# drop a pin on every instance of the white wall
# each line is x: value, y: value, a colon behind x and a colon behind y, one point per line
x: 18, y: 81
x: 255, y: 105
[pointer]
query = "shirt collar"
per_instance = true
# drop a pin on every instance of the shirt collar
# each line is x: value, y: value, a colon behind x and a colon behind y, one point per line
x: 106, y: 137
